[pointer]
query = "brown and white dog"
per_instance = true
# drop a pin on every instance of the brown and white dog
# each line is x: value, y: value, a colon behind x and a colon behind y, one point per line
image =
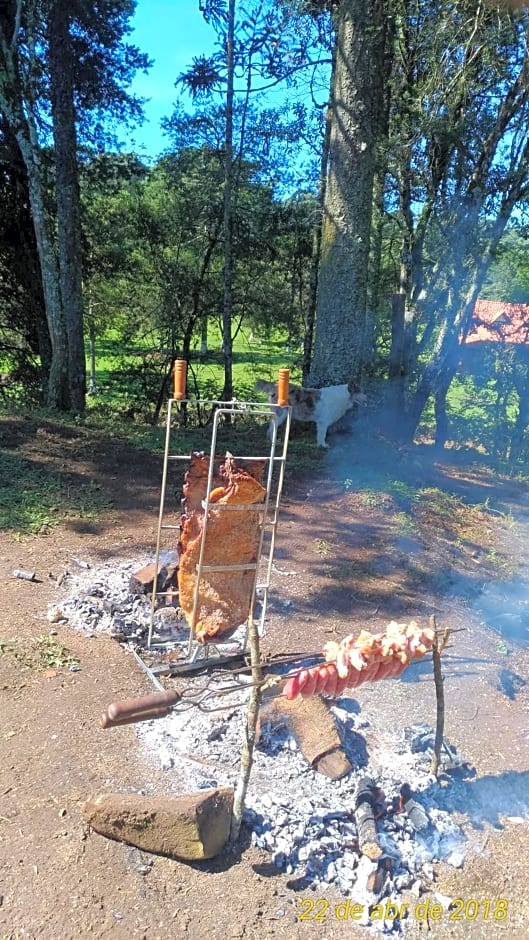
x: 324, y: 406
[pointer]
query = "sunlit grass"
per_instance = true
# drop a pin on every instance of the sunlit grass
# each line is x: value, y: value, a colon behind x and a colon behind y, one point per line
x: 131, y: 378
x: 41, y: 652
x: 35, y: 498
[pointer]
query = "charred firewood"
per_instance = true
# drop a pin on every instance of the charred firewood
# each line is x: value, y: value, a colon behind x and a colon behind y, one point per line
x: 366, y: 797
x: 415, y: 812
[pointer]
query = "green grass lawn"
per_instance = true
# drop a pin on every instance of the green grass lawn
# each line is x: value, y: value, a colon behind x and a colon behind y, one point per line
x: 132, y: 376
x: 35, y: 498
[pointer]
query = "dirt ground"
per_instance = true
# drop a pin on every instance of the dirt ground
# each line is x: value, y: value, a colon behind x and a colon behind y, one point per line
x: 346, y: 557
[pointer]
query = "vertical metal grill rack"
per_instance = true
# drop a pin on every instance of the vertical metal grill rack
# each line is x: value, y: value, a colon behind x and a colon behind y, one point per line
x: 274, y: 459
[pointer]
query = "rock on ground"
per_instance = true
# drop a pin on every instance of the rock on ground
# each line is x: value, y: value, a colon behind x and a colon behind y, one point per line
x: 189, y: 827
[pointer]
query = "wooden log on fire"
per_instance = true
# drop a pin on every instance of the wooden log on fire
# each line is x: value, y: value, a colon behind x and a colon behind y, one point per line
x: 142, y: 581
x: 415, y: 812
x: 365, y: 819
x: 313, y: 726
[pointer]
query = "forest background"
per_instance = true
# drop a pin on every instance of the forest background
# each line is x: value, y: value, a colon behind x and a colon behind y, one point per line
x: 346, y: 232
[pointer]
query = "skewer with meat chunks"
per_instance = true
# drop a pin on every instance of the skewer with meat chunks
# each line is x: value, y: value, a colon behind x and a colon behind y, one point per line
x: 366, y: 658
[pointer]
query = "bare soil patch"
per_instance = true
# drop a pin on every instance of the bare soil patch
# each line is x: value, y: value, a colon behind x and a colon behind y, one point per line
x: 350, y: 553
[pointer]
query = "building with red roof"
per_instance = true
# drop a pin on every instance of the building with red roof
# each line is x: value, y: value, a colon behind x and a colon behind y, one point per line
x: 495, y: 321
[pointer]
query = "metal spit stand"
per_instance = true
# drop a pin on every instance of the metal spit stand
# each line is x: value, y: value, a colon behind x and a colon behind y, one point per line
x: 275, y: 460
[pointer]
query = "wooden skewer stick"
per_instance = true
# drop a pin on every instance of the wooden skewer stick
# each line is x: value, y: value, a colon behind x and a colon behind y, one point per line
x: 437, y: 649
x: 250, y: 731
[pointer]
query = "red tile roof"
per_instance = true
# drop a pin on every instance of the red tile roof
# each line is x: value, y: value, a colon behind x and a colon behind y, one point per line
x: 498, y: 322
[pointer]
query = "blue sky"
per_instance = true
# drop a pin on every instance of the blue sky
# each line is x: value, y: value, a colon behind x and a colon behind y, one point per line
x: 171, y: 32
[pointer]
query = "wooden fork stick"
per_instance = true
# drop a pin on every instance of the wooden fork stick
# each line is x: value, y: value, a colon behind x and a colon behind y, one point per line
x: 437, y: 649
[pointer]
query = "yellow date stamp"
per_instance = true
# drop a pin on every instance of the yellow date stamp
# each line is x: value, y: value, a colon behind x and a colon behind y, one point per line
x: 320, y: 910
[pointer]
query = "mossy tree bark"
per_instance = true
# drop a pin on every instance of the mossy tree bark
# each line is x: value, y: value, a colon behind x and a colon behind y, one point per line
x: 357, y: 108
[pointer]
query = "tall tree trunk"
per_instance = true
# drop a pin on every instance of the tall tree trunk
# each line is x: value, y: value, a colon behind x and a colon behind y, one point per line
x: 57, y: 392
x: 92, y: 387
x: 67, y: 193
x: 227, y: 346
x: 395, y: 399
x: 19, y: 112
x: 516, y: 448
x: 462, y: 295
x: 310, y: 319
x: 19, y: 237
x: 357, y: 101
x: 374, y: 287
x: 375, y: 270
x: 441, y: 416
x: 204, y: 335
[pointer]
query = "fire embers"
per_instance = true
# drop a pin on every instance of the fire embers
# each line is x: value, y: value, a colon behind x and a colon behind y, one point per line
x: 366, y: 658
x: 232, y: 538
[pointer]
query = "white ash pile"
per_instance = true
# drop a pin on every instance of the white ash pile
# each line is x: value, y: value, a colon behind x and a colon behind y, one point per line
x: 320, y: 842
x: 108, y: 598
x: 305, y: 820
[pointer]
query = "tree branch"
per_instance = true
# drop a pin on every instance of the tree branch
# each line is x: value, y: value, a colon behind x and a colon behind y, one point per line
x: 437, y: 650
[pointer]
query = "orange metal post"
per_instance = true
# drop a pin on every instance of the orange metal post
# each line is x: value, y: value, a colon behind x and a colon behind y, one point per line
x: 179, y: 379
x: 283, y: 380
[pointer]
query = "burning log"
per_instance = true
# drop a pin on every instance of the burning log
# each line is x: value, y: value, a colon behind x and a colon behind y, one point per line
x: 365, y: 819
x: 313, y: 727
x: 415, y: 812
x: 142, y: 581
x: 367, y: 658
